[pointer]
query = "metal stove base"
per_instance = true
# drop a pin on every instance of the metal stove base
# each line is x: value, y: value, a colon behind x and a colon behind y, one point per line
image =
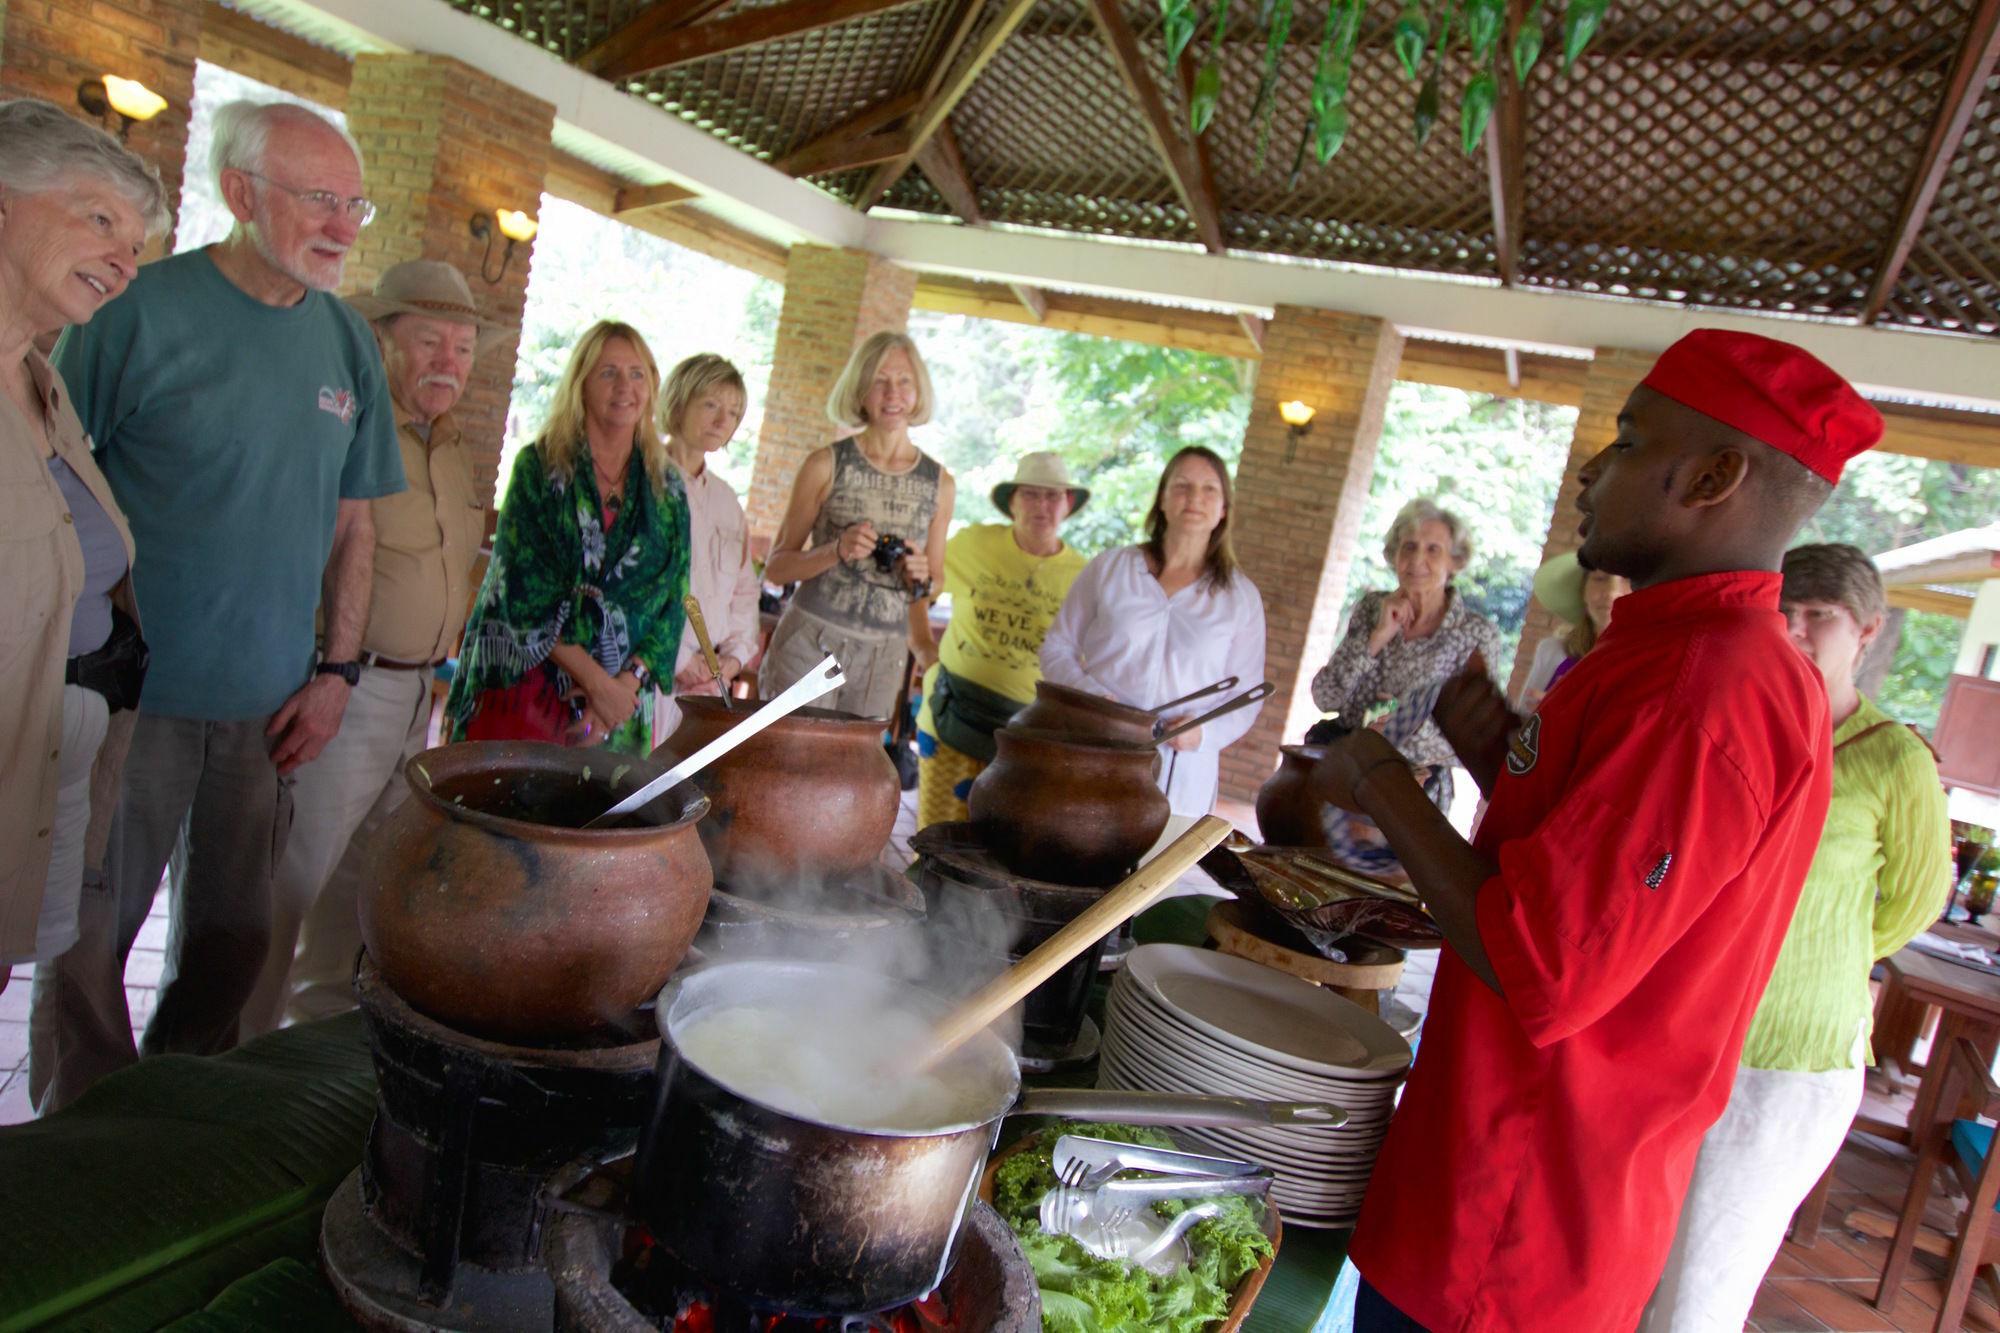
x: 377, y: 1281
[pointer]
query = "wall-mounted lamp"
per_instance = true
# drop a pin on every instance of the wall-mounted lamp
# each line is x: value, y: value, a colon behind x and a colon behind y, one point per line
x: 1298, y: 421
x: 132, y: 100
x: 515, y: 225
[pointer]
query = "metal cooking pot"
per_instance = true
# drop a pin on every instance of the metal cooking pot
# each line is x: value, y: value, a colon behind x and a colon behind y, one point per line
x: 815, y: 1219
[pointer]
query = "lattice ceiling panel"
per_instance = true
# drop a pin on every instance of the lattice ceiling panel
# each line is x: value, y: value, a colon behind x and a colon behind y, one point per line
x: 1952, y: 279
x: 566, y: 28
x: 1737, y: 153
x: 1053, y: 139
x: 770, y: 99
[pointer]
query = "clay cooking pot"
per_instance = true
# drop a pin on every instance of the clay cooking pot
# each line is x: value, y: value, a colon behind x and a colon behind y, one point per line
x: 812, y: 797
x: 1068, y: 809
x: 1289, y: 812
x: 1061, y: 708
x: 488, y: 907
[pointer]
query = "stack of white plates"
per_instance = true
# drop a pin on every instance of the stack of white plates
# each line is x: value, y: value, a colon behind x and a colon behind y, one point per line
x: 1192, y: 1020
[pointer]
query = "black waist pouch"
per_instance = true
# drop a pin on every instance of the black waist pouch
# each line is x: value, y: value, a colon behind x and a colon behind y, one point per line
x: 967, y: 715
x: 118, y: 669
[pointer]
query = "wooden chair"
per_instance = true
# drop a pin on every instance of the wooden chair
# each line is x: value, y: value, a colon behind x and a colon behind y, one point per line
x: 1967, y: 1146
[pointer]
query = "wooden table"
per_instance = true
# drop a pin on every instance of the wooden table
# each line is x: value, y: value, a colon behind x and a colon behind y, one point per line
x: 1968, y: 1003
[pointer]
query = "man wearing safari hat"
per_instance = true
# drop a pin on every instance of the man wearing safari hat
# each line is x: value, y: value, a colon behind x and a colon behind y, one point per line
x: 1610, y: 930
x: 1006, y: 582
x: 426, y: 540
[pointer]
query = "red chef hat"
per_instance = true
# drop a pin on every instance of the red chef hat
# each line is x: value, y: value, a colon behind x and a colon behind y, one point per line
x: 1771, y: 391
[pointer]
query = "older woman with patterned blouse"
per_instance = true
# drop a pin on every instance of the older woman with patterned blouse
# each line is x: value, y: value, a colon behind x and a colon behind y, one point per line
x: 590, y: 565
x: 1402, y: 642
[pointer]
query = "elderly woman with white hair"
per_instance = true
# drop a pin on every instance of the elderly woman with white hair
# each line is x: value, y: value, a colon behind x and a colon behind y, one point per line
x: 1403, y: 642
x: 863, y: 537
x: 76, y: 210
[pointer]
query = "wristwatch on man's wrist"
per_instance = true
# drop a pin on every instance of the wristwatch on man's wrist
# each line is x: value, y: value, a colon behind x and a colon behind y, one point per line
x: 347, y: 671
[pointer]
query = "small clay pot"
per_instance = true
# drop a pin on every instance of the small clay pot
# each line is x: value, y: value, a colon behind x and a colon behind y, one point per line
x: 1289, y: 812
x: 489, y: 908
x: 1080, y: 713
x: 1066, y: 809
x: 810, y: 799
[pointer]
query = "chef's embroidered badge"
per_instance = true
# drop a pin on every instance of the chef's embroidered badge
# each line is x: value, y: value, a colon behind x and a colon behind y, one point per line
x: 1525, y: 748
x: 337, y: 401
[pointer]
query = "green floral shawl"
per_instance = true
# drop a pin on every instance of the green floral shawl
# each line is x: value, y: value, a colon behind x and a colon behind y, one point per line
x: 558, y: 577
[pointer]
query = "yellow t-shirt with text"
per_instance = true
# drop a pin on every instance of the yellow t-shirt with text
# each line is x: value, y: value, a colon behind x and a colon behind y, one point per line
x: 1002, y: 602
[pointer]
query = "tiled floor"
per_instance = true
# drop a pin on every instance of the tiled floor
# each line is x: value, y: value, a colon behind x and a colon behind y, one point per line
x: 1830, y: 1286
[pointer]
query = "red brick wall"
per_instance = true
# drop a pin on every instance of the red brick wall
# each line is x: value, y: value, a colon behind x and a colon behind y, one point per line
x: 47, y: 47
x: 444, y: 141
x: 1296, y: 522
x: 834, y: 299
x: 1613, y: 374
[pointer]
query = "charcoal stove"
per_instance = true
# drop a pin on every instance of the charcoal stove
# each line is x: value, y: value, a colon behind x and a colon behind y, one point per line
x: 441, y: 1226
x: 610, y: 1278
x: 961, y: 879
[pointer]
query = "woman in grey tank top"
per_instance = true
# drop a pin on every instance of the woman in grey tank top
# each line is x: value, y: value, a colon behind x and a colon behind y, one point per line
x: 858, y: 598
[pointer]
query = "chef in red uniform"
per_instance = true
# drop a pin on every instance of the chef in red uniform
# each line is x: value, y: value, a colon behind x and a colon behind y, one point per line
x: 1612, y: 926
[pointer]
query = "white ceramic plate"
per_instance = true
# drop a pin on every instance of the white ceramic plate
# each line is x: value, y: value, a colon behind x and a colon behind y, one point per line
x: 1142, y: 1027
x: 1267, y: 1013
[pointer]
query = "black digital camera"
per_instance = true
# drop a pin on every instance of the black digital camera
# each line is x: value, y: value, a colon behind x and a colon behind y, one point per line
x: 890, y: 548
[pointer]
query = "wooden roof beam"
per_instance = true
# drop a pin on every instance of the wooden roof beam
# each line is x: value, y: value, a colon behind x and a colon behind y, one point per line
x: 652, y: 22
x: 639, y: 198
x: 1961, y: 97
x: 1253, y: 329
x: 753, y: 27
x: 864, y: 124
x: 1183, y: 168
x: 947, y: 86
x: 940, y: 162
x: 1505, y: 150
x: 1033, y: 299
x: 824, y: 156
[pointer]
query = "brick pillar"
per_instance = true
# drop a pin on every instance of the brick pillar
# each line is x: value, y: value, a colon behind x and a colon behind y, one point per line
x: 442, y: 142
x: 1296, y: 522
x: 834, y: 299
x: 48, y: 47
x: 1613, y: 375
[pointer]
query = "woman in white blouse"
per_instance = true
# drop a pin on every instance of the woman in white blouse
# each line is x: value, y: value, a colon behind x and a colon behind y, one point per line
x: 1148, y: 623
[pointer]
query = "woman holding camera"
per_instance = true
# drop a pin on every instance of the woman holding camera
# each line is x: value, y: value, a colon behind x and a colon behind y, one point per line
x: 863, y: 537
x: 76, y: 209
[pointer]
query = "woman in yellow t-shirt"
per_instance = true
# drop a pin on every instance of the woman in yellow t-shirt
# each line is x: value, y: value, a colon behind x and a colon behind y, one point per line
x: 1006, y: 582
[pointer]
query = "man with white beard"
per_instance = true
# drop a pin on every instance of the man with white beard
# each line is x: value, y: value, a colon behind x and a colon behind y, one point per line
x: 242, y: 417
x: 426, y: 541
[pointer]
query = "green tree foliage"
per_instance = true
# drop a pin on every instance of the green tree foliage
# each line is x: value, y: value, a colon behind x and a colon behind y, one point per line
x: 1885, y: 501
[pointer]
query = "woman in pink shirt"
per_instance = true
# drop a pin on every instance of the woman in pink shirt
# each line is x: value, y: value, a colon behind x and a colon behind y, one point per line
x: 701, y: 405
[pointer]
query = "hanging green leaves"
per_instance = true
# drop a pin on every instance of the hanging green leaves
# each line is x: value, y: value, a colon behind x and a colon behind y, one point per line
x: 1177, y: 26
x: 1477, y: 108
x: 1580, y: 24
x: 1208, y: 79
x: 1483, y: 21
x: 1278, y: 26
x: 1413, y: 34
x: 1528, y: 44
x: 1330, y: 132
x: 1427, y: 107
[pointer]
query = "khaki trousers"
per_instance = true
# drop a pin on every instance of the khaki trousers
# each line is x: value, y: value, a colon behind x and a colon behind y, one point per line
x: 339, y: 800
x: 205, y: 798
x: 873, y: 665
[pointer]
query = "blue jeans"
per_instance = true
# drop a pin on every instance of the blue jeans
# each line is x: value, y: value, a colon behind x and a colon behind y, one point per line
x: 1374, y: 1314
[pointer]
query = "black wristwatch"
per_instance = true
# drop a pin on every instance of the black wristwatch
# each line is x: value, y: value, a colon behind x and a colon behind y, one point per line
x: 347, y: 671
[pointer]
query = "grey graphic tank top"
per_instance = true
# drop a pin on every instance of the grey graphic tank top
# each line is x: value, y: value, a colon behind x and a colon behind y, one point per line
x: 855, y: 594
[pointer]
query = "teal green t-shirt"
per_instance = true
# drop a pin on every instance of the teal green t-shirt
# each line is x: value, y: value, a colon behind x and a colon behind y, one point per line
x: 229, y: 431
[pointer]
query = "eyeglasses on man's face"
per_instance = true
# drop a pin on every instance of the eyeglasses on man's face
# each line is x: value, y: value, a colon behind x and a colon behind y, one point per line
x: 323, y: 204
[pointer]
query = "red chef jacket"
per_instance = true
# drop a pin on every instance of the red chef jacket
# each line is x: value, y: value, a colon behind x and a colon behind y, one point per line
x: 1653, y: 826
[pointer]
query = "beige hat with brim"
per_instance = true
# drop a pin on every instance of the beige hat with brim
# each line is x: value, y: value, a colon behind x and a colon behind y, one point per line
x: 1040, y: 468
x: 433, y: 289
x: 1559, y: 587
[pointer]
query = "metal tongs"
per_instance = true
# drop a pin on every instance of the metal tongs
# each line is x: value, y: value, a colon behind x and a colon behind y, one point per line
x: 822, y: 679
x: 1113, y: 1218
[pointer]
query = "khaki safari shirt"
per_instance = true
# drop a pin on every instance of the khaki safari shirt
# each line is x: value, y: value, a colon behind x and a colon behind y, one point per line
x: 427, y: 539
x: 41, y: 566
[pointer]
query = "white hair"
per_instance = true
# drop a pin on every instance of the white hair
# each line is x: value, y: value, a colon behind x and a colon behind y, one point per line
x: 42, y: 147
x: 242, y: 135
x: 1419, y: 512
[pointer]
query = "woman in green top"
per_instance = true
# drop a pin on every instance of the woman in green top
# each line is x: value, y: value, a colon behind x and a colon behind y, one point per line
x: 1881, y: 873
x: 590, y: 565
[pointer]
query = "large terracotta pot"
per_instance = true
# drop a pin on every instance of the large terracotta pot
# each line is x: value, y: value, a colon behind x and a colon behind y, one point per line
x: 811, y: 798
x: 1062, y: 708
x: 488, y: 907
x: 1289, y: 812
x: 1066, y: 809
